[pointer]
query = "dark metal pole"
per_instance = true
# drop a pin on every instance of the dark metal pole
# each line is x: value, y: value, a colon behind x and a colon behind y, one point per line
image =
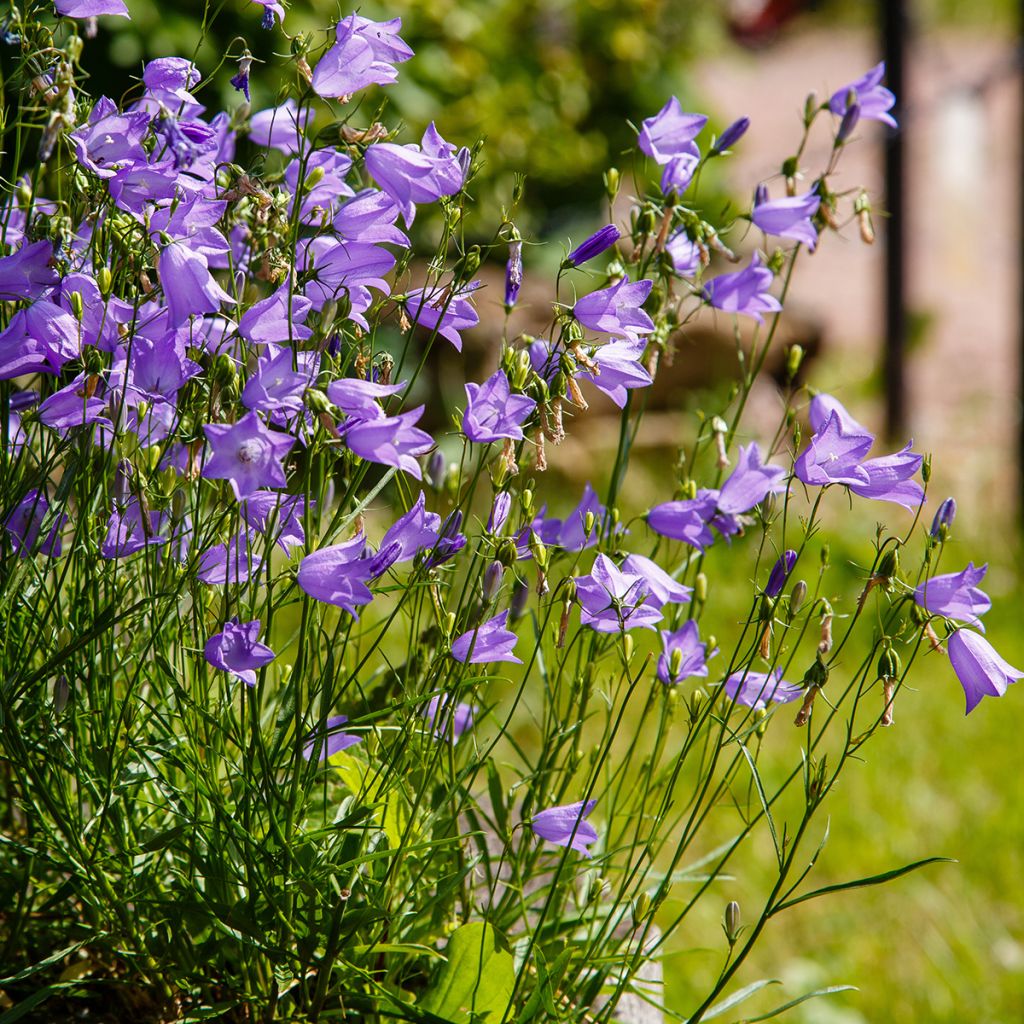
x: 894, y: 45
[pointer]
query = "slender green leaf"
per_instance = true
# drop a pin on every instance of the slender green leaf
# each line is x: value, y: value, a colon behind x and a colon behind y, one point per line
x: 800, y: 999
x: 738, y: 997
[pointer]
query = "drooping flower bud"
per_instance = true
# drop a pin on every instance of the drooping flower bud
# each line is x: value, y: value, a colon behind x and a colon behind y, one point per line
x: 780, y: 573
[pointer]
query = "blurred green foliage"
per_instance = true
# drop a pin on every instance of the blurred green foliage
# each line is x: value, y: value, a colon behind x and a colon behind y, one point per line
x: 551, y: 84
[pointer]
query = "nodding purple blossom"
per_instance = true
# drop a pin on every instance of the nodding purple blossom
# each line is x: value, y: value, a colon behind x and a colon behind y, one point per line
x: 447, y: 719
x: 276, y: 515
x: 415, y: 531
x: 682, y: 655
x: 28, y: 272
x: 664, y: 589
x: 364, y: 53
x: 449, y: 541
x: 593, y: 246
x: 565, y: 826
x: 493, y: 412
x: 111, y: 140
x: 780, y: 573
x: 240, y: 81
x: 271, y: 10
x: 488, y: 642
x: 324, y: 743
x: 679, y: 171
x: 25, y: 523
x: 338, y: 575
x: 360, y: 398
x: 869, y: 95
x: 131, y: 529
x: 616, y: 310
x: 39, y: 339
x: 614, y: 601
x: 247, y: 454
x: 744, y: 291
x: 836, y: 454
x: 619, y: 368
x: 981, y: 671
x: 446, y: 311
x: 670, y: 132
x: 416, y: 174
x: 238, y: 650
x: 280, y: 127
x: 391, y: 441
x: 757, y: 689
x: 189, y: 287
x: 91, y: 8
x: 232, y: 562
x: 789, y: 217
x: 277, y: 319
x: 684, y: 253
x: 685, y: 520
x: 956, y: 595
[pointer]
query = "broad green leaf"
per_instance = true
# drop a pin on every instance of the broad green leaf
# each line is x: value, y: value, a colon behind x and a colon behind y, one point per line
x: 476, y: 983
x: 392, y: 809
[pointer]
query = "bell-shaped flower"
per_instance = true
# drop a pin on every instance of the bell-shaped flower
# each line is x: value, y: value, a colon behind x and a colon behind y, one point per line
x: 238, y: 651
x: 331, y: 740
x: 565, y: 826
x: 27, y: 273
x: 616, y: 310
x: 685, y: 520
x: 447, y: 721
x: 338, y: 575
x: 280, y: 127
x: 757, y: 689
x: 670, y: 132
x: 682, y: 654
x: 663, y: 588
x: 613, y: 601
x: 415, y: 174
x: 445, y: 310
x: 981, y: 671
x: 413, y: 532
x: 276, y: 386
x: 232, y: 562
x: 91, y: 8
x: 488, y: 642
x: 956, y: 595
x: 868, y: 94
x: 744, y: 291
x: 25, y: 523
x: 593, y: 246
x: 780, y: 573
x: 493, y: 412
x: 834, y: 456
x: 391, y: 440
x: 247, y: 454
x: 359, y: 398
x: 619, y: 369
x: 74, y: 405
x: 364, y: 53
x: 277, y: 319
x: 789, y: 217
x: 684, y: 253
x: 39, y: 339
x: 189, y: 287
x: 276, y: 515
x: 748, y: 484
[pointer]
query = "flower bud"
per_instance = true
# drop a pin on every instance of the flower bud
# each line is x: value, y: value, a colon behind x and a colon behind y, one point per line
x: 794, y: 357
x: 61, y: 693
x: 122, y: 483
x: 731, y: 922
x: 944, y: 516
x: 811, y: 108
x: 468, y: 265
x: 640, y: 909
x: 105, y: 280
x: 780, y: 573
x: 889, y: 565
x: 797, y: 596
x: 588, y: 523
x: 627, y: 646
x: 848, y: 123
x: 593, y: 246
x: 700, y: 588
x: 611, y: 182
x: 825, y: 641
x: 731, y: 135
x: 526, y: 501
x: 314, y: 177
x: 889, y: 664
x: 499, y: 512
x: 437, y: 469
x: 494, y: 575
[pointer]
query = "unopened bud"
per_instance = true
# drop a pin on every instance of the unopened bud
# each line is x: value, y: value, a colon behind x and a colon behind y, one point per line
x: 889, y: 565
x: 494, y: 574
x: 122, y: 483
x: 641, y: 908
x: 627, y: 646
x: 944, y: 516
x: 794, y: 357
x: 811, y: 108
x: 77, y: 306
x: 825, y: 641
x: 848, y: 123
x: 437, y: 469
x: 700, y: 588
x: 526, y: 501
x: 61, y: 693
x: 611, y: 182
x: 731, y: 922
x: 797, y: 597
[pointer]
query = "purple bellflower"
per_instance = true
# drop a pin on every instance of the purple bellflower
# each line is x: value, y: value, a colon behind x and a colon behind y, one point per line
x: 364, y: 53
x: 488, y: 642
x: 338, y: 575
x: 237, y: 650
x: 613, y: 601
x: 493, y: 412
x: 565, y: 826
x: 130, y: 529
x: 780, y: 573
x: 744, y: 291
x: 943, y: 520
x: 670, y: 132
x: 834, y: 455
x: 596, y: 244
x: 981, y: 671
x: 685, y: 520
x: 756, y: 689
x: 679, y: 171
x: 873, y: 99
x: 231, y: 562
x: 616, y: 310
x: 413, y: 532
x: 270, y: 321
x: 39, y: 339
x: 271, y: 10
x: 444, y: 310
x: 280, y: 514
x: 749, y: 483
x: 619, y: 368
x: 25, y: 523
x: 956, y: 595
x: 663, y: 588
x: 247, y: 454
x: 111, y: 140
x: 91, y: 8
x: 513, y: 272
x: 731, y: 135
x: 500, y: 510
x: 279, y: 127
x: 682, y: 655
x: 27, y: 273
x: 684, y: 253
x: 445, y: 721
x: 331, y: 741
x: 391, y: 441
x: 188, y: 284
x: 415, y: 174
x: 789, y: 217
x: 359, y: 398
